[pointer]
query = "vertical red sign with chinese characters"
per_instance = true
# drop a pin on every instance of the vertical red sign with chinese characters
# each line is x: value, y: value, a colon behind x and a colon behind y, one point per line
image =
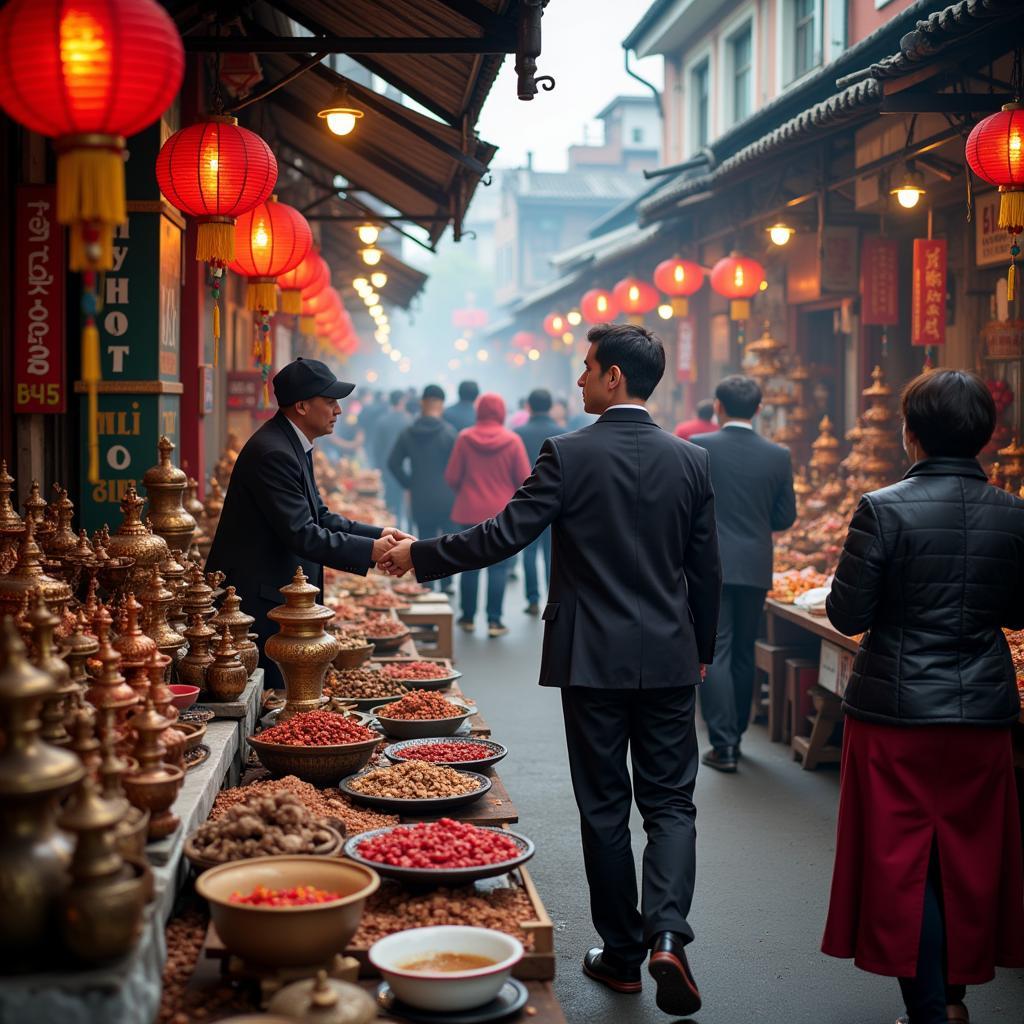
x: 686, y: 355
x: 928, y: 314
x: 879, y: 282
x: 39, y: 384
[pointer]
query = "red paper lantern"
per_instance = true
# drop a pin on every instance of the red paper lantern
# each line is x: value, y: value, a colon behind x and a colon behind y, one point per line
x: 314, y: 296
x: 737, y: 278
x: 524, y: 340
x: 635, y: 298
x: 270, y: 240
x: 995, y: 151
x: 294, y: 282
x: 555, y: 325
x: 215, y: 171
x: 679, y: 279
x: 598, y: 306
x: 329, y: 311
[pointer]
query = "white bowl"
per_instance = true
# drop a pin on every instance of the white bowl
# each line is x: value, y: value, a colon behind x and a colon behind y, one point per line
x: 446, y: 991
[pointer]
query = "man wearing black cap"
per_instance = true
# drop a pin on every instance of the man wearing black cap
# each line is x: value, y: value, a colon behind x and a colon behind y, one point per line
x: 274, y: 518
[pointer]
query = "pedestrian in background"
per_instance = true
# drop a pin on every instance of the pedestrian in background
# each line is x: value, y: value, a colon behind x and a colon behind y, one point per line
x: 487, y: 464
x: 928, y: 885
x: 560, y: 411
x: 753, y: 482
x: 462, y: 414
x: 537, y: 429
x: 702, y: 423
x: 520, y: 416
x: 418, y: 461
x: 386, y: 432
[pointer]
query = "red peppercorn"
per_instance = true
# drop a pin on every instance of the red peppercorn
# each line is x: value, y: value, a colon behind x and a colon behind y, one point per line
x: 445, y: 753
x: 317, y: 729
x: 421, y: 705
x: 439, y: 844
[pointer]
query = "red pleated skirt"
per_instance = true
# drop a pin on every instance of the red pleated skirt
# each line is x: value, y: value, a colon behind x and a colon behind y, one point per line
x: 901, y: 790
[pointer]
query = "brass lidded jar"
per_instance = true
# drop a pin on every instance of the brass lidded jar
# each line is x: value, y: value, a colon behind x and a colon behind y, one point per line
x: 157, y: 600
x: 192, y: 668
x: 232, y: 616
x: 165, y: 486
x: 226, y: 677
x: 135, y: 649
x: 134, y: 539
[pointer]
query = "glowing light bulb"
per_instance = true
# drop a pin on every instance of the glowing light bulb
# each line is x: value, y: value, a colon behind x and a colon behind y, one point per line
x: 371, y: 376
x: 482, y: 355
x: 462, y: 344
x: 368, y: 233
x: 738, y: 276
x: 260, y: 237
x: 679, y: 273
x: 602, y: 303
x: 395, y: 355
x: 376, y: 310
x: 360, y: 284
x: 533, y: 355
x: 341, y: 122
x: 908, y: 198
x: 378, y: 279
x: 574, y: 317
x: 780, y: 233
x: 371, y: 298
x: 665, y: 311
x: 763, y: 286
x: 634, y: 293
x: 371, y: 255
x: 567, y: 338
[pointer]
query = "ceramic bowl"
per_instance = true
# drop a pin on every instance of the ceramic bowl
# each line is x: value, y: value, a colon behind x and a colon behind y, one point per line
x: 184, y: 695
x: 384, y: 644
x: 353, y: 657
x: 322, y: 766
x: 287, y: 936
x: 421, y: 728
x: 446, y: 991
x: 194, y: 733
x: 491, y: 752
x: 420, y: 808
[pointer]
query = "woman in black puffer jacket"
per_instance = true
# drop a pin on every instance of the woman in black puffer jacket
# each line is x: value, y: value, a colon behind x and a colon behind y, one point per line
x: 928, y: 883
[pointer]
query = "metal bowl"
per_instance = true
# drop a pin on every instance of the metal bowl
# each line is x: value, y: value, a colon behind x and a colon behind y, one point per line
x: 367, y: 703
x: 322, y: 766
x: 430, y: 684
x: 353, y: 657
x: 421, y: 728
x: 426, y: 808
x: 491, y: 752
x: 384, y: 644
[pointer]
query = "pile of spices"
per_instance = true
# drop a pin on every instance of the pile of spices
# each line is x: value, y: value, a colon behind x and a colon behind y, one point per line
x: 414, y: 780
x: 439, y: 844
x: 384, y: 627
x: 297, y: 896
x: 445, y: 753
x: 361, y: 683
x: 383, y: 600
x: 422, y: 705
x: 414, y: 670
x: 317, y: 729
x: 350, y: 641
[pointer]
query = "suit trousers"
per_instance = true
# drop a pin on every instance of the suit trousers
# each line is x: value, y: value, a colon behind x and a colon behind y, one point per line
x: 530, y: 552
x: 728, y: 691
x: 656, y: 728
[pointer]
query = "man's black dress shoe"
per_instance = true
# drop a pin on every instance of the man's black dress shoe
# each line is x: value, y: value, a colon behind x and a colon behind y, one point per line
x: 677, y: 991
x: 610, y: 971
x: 722, y: 759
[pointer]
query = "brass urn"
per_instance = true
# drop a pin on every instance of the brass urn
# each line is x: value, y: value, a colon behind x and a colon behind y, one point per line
x: 238, y: 623
x: 136, y: 649
x: 226, y: 677
x: 165, y: 486
x: 34, y: 777
x: 192, y: 668
x: 28, y: 576
x: 174, y: 571
x: 44, y: 657
x: 302, y: 649
x: 157, y: 600
x: 11, y: 525
x: 134, y: 539
x: 198, y: 596
x: 153, y: 786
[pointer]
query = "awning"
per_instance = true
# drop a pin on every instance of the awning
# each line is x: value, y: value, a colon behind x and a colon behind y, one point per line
x: 405, y: 282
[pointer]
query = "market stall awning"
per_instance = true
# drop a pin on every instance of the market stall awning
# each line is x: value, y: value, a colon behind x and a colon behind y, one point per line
x: 405, y: 282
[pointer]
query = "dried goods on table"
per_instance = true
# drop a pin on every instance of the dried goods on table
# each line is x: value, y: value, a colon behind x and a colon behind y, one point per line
x: 414, y: 780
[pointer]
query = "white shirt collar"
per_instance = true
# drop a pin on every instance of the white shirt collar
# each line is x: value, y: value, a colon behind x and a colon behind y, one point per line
x: 642, y: 408
x: 741, y: 424
x: 307, y: 445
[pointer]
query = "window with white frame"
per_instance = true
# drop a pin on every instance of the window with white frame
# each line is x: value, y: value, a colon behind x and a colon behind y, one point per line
x: 700, y: 104
x: 805, y: 36
x: 740, y: 82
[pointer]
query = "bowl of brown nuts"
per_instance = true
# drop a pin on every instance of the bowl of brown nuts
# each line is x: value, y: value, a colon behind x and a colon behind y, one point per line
x: 415, y: 788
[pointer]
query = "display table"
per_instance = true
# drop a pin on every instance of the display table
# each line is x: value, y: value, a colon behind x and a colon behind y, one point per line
x: 245, y: 711
x: 439, y: 617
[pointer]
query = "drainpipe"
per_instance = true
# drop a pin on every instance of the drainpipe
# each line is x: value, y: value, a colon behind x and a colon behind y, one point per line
x: 643, y: 81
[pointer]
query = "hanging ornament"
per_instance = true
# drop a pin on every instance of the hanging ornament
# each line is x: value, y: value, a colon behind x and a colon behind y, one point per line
x: 555, y: 325
x: 679, y: 279
x: 270, y: 240
x: 264, y: 351
x: 315, y: 306
x: 598, y: 306
x: 294, y: 282
x: 738, y: 279
x: 635, y: 298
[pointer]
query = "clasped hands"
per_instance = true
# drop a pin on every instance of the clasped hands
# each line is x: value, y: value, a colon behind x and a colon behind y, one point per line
x: 392, y: 551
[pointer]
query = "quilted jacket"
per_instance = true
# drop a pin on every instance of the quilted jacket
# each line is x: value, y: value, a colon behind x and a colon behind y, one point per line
x: 932, y: 569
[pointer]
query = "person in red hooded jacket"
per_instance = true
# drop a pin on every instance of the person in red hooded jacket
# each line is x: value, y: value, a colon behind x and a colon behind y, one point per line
x: 487, y: 465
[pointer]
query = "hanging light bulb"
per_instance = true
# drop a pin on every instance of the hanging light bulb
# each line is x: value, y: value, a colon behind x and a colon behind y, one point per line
x: 534, y: 355
x: 482, y: 355
x: 909, y: 188
x: 575, y: 317
x: 341, y: 116
x: 665, y: 311
x: 371, y: 298
x: 376, y: 310
x: 378, y: 279
x: 360, y: 284
x: 461, y: 344
x: 371, y: 255
x: 780, y: 233
x: 368, y: 233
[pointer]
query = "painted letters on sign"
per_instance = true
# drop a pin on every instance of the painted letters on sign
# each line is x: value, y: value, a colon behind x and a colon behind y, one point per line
x: 879, y: 281
x: 928, y: 320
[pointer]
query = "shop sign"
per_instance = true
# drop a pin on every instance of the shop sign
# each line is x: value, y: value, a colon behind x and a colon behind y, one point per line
x: 879, y: 281
x: 686, y: 355
x: 244, y: 390
x: 928, y: 299
x: 835, y: 665
x: 39, y: 385
x: 991, y: 242
x: 839, y: 259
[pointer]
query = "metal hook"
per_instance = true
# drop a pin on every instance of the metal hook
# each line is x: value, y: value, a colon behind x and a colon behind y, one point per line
x: 487, y: 179
x: 545, y: 82
x: 469, y: 233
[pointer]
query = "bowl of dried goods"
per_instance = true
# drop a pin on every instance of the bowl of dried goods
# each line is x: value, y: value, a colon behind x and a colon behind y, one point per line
x: 446, y: 968
x: 444, y: 852
x: 292, y: 911
x: 408, y: 588
x: 385, y: 632
x: 353, y: 650
x: 469, y: 753
x: 184, y: 695
x: 263, y: 825
x: 416, y: 788
x: 384, y: 601
x: 317, y: 746
x: 364, y: 687
x: 419, y: 714
x: 423, y: 674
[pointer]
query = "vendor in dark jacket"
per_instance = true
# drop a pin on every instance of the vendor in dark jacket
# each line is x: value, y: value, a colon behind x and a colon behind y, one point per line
x: 418, y: 461
x: 274, y: 519
x: 927, y: 885
x: 462, y: 414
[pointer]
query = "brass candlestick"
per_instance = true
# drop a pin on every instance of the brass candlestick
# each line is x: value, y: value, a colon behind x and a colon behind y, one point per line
x: 44, y: 657
x: 157, y: 600
x: 34, y: 777
x: 226, y: 677
x: 165, y: 486
x: 238, y: 623
x: 192, y: 668
x: 154, y: 785
x: 134, y: 539
x: 302, y: 649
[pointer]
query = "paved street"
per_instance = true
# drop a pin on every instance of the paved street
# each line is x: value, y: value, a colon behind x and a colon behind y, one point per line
x: 765, y: 857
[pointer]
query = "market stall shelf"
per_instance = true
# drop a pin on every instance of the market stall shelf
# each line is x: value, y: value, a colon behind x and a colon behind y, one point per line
x: 434, y: 623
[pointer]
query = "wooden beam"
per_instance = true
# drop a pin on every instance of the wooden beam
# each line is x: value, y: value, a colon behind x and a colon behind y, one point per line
x: 267, y: 43
x: 914, y: 102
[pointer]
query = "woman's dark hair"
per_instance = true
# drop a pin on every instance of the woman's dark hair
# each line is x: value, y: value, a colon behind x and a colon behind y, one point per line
x: 950, y: 412
x: 637, y: 352
x: 740, y: 396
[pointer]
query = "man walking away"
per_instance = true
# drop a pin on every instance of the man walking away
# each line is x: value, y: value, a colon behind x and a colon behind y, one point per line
x: 418, y: 461
x: 388, y: 427
x: 753, y: 481
x: 462, y: 415
x: 702, y: 423
x: 537, y: 429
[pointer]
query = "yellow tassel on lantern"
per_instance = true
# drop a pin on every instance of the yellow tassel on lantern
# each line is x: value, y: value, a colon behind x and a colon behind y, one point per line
x: 215, y: 240
x: 291, y: 301
x: 1011, y: 282
x: 1011, y: 207
x: 92, y: 373
x: 307, y: 325
x: 268, y: 351
x: 90, y: 190
x: 266, y: 395
x: 261, y: 294
x: 216, y: 334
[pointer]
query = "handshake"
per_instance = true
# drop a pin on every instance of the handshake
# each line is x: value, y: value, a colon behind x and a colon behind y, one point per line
x: 392, y: 551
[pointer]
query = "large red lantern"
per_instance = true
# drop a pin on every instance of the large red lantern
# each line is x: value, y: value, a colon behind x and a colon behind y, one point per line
x: 296, y: 281
x: 313, y: 305
x: 995, y: 151
x: 679, y: 279
x: 737, y: 278
x: 555, y: 325
x: 598, y: 306
x: 524, y: 340
x: 270, y: 240
x: 635, y: 298
x: 328, y: 315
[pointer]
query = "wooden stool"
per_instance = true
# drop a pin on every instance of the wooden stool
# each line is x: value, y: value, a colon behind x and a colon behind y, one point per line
x: 801, y: 675
x: 816, y: 748
x: 770, y: 659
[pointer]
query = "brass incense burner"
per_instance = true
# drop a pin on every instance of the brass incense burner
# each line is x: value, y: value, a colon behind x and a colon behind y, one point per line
x: 302, y: 649
x: 157, y: 600
x: 165, y: 487
x: 239, y: 624
x: 134, y: 539
x: 44, y: 656
x: 226, y: 677
x: 63, y: 540
x: 198, y: 596
x: 28, y: 576
x: 153, y: 786
x: 136, y: 649
x: 192, y: 668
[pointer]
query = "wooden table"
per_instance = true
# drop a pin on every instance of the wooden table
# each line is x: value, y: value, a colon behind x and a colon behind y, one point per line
x: 784, y: 619
x: 437, y: 614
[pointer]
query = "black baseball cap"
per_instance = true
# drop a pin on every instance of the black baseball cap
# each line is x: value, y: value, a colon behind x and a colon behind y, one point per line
x: 308, y: 378
x: 433, y: 391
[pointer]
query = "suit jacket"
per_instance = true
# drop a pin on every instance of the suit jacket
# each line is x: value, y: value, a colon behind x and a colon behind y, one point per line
x: 635, y: 575
x: 753, y: 481
x: 274, y: 520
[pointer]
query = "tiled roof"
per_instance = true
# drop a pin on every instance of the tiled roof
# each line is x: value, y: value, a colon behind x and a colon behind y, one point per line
x: 578, y: 185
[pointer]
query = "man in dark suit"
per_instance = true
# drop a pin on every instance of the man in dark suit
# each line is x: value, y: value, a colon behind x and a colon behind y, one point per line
x: 273, y: 517
x: 753, y: 481
x: 631, y: 618
x: 534, y: 432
